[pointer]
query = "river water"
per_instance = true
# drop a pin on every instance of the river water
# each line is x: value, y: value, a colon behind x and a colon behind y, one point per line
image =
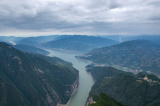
x: 85, y: 79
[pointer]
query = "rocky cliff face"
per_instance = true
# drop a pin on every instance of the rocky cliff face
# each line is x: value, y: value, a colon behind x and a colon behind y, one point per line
x: 90, y: 101
x: 75, y: 86
x: 72, y: 89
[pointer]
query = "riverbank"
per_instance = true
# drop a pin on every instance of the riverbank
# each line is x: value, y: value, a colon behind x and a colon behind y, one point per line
x: 71, y: 95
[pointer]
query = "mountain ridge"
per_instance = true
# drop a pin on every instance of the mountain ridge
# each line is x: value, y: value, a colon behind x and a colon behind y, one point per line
x: 79, y: 43
x: 134, y: 56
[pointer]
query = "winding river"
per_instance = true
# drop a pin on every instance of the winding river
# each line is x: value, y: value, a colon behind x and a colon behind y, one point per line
x: 85, y: 79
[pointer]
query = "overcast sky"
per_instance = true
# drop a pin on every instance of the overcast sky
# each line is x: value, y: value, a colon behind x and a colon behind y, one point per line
x: 91, y: 17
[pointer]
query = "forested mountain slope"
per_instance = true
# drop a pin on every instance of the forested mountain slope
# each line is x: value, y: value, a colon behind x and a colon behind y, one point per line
x: 129, y: 89
x: 34, y: 80
x: 136, y: 56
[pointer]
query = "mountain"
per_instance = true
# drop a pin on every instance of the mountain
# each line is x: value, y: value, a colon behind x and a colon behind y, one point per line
x: 129, y: 89
x: 135, y: 56
x: 79, y: 43
x: 34, y: 80
x: 154, y: 38
x: 34, y: 41
x: 31, y: 49
x: 123, y: 38
x: 10, y: 39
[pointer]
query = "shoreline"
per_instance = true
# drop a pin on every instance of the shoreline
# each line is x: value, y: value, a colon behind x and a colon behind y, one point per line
x: 91, y: 77
x: 69, y: 51
x: 84, y: 60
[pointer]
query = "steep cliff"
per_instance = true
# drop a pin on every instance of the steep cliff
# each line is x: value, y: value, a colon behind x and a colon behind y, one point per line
x: 71, y: 91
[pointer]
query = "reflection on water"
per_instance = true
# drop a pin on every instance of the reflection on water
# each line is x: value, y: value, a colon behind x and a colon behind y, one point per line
x: 85, y: 80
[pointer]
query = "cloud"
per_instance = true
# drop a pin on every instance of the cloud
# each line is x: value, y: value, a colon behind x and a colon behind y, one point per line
x: 82, y: 16
x: 114, y: 4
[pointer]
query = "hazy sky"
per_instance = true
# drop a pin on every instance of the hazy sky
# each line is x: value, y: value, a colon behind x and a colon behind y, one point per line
x: 93, y: 17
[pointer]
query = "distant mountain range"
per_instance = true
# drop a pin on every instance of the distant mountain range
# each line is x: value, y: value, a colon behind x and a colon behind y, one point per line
x: 34, y: 41
x: 34, y: 80
x: 42, y: 39
x: 10, y: 39
x: 129, y: 89
x: 30, y: 41
x: 79, y: 43
x: 123, y: 38
x: 135, y: 56
x: 153, y: 38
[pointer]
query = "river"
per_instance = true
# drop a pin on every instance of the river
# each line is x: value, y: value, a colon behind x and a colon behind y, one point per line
x: 85, y: 79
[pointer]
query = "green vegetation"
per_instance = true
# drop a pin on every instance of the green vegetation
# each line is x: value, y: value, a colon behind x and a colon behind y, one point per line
x: 99, y: 72
x: 136, y: 56
x: 105, y: 100
x: 129, y: 89
x: 34, y: 80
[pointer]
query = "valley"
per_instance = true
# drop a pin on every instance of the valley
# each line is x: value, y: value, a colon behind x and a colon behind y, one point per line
x: 79, y: 53
x: 85, y: 79
x: 80, y: 71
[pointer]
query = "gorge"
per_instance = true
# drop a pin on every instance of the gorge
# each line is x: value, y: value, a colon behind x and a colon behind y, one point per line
x: 85, y: 79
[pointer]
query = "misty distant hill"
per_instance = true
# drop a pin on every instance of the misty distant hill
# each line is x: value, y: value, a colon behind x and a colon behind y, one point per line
x: 79, y: 43
x: 31, y: 49
x: 154, y: 38
x: 34, y: 41
x: 123, y: 38
x: 136, y: 55
x: 10, y: 39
